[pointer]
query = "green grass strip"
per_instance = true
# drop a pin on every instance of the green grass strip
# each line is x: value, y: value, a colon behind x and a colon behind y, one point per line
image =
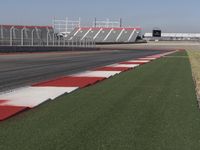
x: 150, y: 108
x: 194, y: 56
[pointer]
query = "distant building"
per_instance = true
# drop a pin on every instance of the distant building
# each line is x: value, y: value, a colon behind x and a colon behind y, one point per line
x: 173, y: 37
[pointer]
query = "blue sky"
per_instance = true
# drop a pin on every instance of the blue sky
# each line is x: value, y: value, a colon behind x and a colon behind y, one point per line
x: 169, y: 15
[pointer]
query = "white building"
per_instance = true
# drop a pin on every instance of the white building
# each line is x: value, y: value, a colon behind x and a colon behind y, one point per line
x: 174, y: 36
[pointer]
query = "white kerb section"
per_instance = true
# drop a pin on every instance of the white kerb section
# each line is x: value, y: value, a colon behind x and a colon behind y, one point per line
x: 168, y: 53
x: 34, y: 96
x: 148, y: 58
x: 104, y: 74
x: 124, y: 65
x: 140, y: 61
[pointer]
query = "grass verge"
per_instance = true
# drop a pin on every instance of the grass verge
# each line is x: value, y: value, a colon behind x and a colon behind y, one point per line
x: 194, y: 56
x: 150, y: 108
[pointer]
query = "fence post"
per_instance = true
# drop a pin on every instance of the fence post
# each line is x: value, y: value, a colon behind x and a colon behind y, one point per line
x: 1, y: 34
x: 47, y: 36
x: 58, y: 40
x: 73, y: 42
x: 32, y: 38
x: 22, y: 36
x: 11, y: 35
x: 76, y: 45
x: 53, y: 38
x: 85, y: 42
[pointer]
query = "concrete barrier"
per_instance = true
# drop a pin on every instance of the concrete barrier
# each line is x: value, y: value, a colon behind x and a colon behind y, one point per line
x: 14, y: 49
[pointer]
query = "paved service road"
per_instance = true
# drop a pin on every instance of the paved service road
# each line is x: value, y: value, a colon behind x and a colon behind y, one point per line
x: 18, y: 70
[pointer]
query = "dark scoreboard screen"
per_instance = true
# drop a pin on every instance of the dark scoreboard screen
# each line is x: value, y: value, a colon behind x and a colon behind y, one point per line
x: 157, y: 33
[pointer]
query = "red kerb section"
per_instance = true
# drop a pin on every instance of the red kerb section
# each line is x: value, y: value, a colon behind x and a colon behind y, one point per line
x: 71, y: 82
x: 9, y: 111
x: 2, y: 101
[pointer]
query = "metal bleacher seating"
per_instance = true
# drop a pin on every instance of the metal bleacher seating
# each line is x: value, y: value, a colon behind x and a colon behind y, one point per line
x: 106, y: 35
x: 72, y: 34
x: 79, y: 34
x: 134, y: 36
x: 92, y: 33
x: 125, y: 36
x: 102, y: 34
x: 113, y: 35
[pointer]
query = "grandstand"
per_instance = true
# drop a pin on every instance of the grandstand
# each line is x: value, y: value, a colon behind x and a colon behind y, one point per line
x: 106, y: 35
x: 67, y: 33
x: 107, y: 31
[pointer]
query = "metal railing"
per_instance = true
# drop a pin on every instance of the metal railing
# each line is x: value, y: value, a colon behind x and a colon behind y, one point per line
x: 49, y: 39
x: 66, y: 25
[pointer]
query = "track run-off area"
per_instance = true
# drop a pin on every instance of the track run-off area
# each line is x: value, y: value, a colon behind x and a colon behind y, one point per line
x: 151, y: 107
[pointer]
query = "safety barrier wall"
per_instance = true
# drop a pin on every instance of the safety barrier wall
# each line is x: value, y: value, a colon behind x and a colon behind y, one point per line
x: 11, y: 49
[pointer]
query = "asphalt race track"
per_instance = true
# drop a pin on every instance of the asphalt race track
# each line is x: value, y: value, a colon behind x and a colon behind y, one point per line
x: 17, y: 70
